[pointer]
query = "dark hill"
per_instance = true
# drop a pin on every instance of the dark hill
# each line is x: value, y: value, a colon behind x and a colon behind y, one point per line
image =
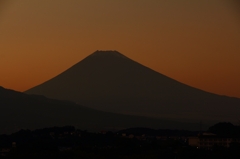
x: 109, y: 81
x: 22, y: 111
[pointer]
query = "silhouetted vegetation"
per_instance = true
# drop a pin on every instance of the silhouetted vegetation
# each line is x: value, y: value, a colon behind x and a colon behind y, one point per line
x: 225, y: 129
x: 140, y: 143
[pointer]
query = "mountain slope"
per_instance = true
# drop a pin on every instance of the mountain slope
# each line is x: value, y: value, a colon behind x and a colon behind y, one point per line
x: 21, y: 111
x: 109, y: 81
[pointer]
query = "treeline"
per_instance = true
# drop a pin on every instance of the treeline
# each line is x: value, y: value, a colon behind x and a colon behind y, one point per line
x: 225, y: 129
x: 70, y: 143
x: 159, y: 132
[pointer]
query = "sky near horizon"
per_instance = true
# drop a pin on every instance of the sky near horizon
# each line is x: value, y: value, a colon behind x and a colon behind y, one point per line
x: 195, y: 42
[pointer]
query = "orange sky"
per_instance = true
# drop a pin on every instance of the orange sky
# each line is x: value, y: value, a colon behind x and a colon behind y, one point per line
x: 195, y: 42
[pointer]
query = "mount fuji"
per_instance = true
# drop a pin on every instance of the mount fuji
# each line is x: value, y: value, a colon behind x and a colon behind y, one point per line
x: 111, y: 82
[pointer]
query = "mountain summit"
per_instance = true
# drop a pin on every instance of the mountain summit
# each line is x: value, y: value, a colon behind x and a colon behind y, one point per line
x: 110, y: 81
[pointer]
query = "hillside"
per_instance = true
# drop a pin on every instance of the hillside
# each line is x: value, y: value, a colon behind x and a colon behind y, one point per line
x: 21, y: 111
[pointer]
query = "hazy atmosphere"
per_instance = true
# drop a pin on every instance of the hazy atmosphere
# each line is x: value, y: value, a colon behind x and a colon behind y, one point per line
x: 195, y: 42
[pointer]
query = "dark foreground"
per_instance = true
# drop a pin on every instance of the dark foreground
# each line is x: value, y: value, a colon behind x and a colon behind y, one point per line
x: 69, y: 143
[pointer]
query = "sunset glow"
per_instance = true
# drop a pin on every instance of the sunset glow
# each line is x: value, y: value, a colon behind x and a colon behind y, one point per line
x: 194, y: 42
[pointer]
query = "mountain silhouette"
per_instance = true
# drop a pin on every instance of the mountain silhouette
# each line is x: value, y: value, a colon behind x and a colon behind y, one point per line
x: 22, y: 111
x: 110, y: 81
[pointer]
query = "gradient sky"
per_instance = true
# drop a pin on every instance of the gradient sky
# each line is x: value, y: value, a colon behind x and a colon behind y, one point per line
x: 196, y: 42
